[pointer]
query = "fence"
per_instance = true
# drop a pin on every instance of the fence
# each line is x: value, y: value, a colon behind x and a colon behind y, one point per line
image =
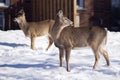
x: 47, y: 9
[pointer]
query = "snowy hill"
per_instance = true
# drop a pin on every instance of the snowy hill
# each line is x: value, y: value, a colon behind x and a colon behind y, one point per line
x: 19, y: 62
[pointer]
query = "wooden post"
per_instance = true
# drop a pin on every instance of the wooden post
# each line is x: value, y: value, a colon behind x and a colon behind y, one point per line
x: 75, y: 12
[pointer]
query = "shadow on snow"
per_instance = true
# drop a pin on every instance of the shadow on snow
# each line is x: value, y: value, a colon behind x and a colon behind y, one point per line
x: 44, y: 66
x: 12, y: 44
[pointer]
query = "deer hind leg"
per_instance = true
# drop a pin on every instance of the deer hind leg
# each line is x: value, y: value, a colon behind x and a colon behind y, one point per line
x: 67, y: 55
x: 105, y: 54
x: 50, y: 43
x: 97, y: 56
x: 33, y: 43
x: 61, y: 56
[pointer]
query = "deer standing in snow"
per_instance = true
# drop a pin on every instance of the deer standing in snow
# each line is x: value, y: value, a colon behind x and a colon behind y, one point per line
x: 34, y: 29
x: 68, y: 37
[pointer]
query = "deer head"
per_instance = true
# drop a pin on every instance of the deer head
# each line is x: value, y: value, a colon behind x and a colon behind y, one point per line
x: 20, y: 16
x: 64, y: 21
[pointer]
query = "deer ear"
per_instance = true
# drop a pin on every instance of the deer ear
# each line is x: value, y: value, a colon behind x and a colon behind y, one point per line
x: 60, y: 13
x: 21, y: 11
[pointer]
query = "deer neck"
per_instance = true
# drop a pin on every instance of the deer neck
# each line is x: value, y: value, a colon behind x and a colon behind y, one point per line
x: 56, y: 30
x: 24, y: 26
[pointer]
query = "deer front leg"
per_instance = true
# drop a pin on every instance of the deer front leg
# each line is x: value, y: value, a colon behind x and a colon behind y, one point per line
x: 50, y: 42
x: 68, y: 51
x: 33, y: 43
x: 61, y: 56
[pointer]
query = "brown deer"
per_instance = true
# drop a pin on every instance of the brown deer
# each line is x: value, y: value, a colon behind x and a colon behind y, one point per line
x: 68, y: 37
x: 34, y: 29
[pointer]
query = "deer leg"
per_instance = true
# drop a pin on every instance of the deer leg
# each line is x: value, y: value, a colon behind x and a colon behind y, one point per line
x: 50, y: 42
x: 97, y: 56
x: 68, y: 51
x: 61, y: 56
x: 32, y: 43
x: 105, y: 54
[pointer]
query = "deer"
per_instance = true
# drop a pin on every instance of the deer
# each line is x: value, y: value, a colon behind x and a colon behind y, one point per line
x: 67, y: 38
x: 34, y: 29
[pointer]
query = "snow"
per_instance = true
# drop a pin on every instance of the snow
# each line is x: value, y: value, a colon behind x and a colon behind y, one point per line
x: 3, y: 5
x: 19, y: 62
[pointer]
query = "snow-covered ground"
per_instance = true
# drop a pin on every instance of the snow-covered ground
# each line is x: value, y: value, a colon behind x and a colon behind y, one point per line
x: 19, y: 62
